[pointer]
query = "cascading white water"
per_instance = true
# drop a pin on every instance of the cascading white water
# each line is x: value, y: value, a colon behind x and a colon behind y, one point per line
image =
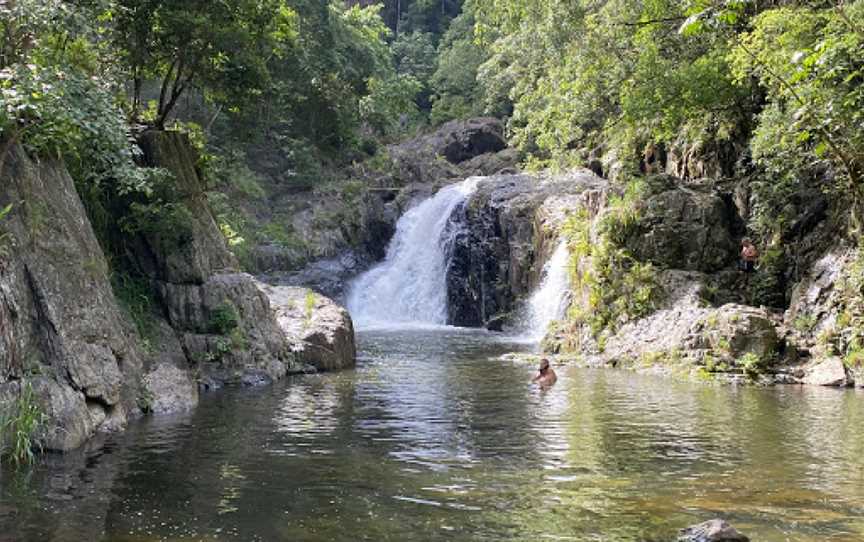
x: 410, y: 285
x: 549, y: 301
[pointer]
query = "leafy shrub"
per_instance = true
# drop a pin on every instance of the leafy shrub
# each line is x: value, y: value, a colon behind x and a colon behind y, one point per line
x: 224, y: 319
x: 309, y: 303
x: 768, y: 284
x: 805, y: 323
x: 390, y: 103
x: 751, y: 364
x: 62, y: 112
x: 855, y: 358
x: 282, y: 234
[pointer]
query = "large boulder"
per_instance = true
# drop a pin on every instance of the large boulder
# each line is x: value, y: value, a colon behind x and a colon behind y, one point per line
x: 464, y: 140
x: 321, y: 332
x: 688, y: 228
x: 734, y: 331
x: 168, y: 389
x: 827, y: 372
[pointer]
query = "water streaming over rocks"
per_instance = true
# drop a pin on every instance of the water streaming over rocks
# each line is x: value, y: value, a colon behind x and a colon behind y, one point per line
x: 549, y: 301
x: 409, y: 286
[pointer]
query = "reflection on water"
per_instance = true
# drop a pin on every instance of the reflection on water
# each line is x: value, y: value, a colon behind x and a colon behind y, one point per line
x: 433, y: 438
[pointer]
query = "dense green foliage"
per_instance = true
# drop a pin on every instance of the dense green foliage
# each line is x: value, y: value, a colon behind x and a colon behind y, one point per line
x: 620, y: 77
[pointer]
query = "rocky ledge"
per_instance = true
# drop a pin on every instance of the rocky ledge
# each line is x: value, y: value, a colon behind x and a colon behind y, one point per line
x: 320, y: 332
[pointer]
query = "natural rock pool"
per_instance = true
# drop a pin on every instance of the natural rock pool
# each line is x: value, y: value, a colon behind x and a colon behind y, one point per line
x: 433, y: 437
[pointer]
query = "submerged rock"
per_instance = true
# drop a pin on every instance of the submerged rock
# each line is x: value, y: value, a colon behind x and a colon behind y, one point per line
x: 320, y: 332
x: 715, y: 530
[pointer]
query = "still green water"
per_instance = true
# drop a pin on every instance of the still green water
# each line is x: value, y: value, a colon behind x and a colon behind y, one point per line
x: 433, y: 438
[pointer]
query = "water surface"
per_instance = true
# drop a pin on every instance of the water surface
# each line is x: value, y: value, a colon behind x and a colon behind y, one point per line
x: 434, y: 438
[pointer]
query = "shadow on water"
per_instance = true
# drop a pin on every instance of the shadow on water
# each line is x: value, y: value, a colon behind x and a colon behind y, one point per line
x: 435, y: 438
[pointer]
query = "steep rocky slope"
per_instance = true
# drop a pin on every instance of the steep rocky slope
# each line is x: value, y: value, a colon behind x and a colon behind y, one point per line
x: 223, y: 320
x: 65, y: 335
x: 61, y: 329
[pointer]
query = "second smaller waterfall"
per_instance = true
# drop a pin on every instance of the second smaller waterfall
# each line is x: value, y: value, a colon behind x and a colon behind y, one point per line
x: 549, y: 301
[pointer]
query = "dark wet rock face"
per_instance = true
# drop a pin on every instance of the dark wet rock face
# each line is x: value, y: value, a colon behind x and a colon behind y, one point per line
x: 685, y: 228
x: 715, y: 530
x: 61, y: 329
x: 499, y: 248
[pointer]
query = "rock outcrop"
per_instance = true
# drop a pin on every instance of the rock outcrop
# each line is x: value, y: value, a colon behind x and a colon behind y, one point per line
x: 506, y: 234
x: 689, y: 228
x: 827, y: 372
x: 63, y: 332
x: 224, y: 322
x: 320, y: 332
x: 168, y: 389
x: 61, y: 329
x: 736, y: 331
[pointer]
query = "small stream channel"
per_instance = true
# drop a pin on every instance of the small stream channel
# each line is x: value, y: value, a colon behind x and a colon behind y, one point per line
x: 433, y: 437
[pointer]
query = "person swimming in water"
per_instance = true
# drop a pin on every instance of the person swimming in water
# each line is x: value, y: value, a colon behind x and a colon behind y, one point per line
x: 545, y: 375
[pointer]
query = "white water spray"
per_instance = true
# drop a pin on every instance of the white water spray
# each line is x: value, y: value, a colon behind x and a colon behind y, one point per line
x: 410, y: 285
x: 549, y: 301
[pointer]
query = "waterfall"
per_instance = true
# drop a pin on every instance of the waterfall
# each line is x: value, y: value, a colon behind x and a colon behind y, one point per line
x: 549, y: 301
x: 410, y: 285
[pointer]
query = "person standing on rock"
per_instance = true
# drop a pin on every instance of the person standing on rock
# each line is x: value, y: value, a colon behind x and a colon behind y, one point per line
x: 546, y: 377
x: 749, y: 255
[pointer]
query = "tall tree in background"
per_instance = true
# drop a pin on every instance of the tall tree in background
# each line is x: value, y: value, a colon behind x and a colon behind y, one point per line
x: 221, y: 47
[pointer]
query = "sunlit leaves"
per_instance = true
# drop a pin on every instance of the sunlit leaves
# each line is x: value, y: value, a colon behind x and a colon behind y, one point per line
x: 810, y: 61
